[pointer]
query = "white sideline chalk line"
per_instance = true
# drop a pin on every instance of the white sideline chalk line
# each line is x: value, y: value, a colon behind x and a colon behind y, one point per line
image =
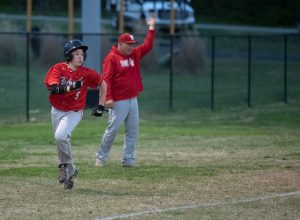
x: 157, y: 210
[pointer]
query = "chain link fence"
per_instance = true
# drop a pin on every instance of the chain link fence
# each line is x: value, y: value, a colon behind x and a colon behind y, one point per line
x: 182, y: 71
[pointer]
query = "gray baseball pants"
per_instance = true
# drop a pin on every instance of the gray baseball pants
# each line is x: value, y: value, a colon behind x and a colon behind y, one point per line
x: 63, y: 124
x: 124, y: 111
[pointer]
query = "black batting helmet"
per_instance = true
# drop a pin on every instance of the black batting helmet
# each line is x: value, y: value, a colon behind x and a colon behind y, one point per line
x: 73, y: 45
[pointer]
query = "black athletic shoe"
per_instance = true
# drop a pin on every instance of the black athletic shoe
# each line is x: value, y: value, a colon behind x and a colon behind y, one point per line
x: 69, y: 183
x: 62, y: 173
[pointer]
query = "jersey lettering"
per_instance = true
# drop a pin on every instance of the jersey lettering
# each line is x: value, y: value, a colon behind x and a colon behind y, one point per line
x: 124, y: 63
x: 131, y: 61
x: 77, y: 95
x: 64, y: 82
x: 127, y: 62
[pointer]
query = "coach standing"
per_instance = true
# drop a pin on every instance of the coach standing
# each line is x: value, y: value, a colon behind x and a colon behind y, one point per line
x: 121, y: 72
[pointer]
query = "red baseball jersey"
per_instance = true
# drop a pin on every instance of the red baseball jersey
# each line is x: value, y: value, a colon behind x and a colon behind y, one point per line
x: 61, y: 74
x: 122, y: 73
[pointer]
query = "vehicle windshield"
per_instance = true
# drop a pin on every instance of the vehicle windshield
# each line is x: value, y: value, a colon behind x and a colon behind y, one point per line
x: 180, y: 1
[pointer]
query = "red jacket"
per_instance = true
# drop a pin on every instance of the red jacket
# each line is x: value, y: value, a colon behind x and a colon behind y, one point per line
x: 122, y: 73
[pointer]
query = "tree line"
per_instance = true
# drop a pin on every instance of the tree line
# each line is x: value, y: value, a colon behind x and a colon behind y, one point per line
x: 251, y: 12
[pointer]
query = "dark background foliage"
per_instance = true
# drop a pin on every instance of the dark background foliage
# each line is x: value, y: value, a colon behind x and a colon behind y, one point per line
x: 252, y: 12
x: 249, y: 12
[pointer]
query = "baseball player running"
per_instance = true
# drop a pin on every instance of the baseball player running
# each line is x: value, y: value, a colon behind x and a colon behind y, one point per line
x: 68, y: 83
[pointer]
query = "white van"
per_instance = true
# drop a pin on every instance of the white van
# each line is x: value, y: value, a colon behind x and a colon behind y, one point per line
x: 136, y: 10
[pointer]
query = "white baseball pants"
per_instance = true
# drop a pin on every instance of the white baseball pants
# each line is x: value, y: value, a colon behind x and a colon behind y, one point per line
x: 124, y: 111
x: 63, y: 124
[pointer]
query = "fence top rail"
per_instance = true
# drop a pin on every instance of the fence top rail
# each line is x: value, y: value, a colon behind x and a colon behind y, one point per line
x: 177, y: 35
x: 247, y: 28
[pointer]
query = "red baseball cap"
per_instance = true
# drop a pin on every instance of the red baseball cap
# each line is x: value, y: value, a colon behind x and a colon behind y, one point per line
x: 127, y: 38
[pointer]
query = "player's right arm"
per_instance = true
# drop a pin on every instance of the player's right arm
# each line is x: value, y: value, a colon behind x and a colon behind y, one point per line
x: 60, y: 89
x: 52, y: 81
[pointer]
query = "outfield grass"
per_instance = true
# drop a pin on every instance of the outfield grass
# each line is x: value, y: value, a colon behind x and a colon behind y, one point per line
x: 195, y: 164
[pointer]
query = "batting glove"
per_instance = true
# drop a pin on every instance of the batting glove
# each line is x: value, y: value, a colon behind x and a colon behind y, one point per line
x: 76, y: 85
x: 98, y: 112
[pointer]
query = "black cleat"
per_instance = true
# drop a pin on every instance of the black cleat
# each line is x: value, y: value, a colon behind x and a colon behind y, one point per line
x: 69, y: 183
x: 62, y: 173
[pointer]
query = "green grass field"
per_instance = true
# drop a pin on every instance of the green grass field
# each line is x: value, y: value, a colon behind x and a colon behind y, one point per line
x: 198, y: 164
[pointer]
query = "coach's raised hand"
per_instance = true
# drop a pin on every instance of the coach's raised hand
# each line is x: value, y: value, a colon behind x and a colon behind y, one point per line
x: 151, y: 21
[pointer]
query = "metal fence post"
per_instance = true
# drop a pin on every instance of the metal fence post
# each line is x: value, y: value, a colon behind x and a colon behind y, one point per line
x: 249, y: 71
x: 27, y: 74
x: 212, y: 83
x: 171, y: 71
x: 285, y: 70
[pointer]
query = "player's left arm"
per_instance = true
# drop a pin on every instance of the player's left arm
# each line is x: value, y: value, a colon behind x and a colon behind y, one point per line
x: 98, y: 112
x: 102, y: 93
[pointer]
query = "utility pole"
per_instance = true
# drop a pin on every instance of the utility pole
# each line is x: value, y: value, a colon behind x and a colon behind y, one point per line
x: 71, y: 18
x: 91, y: 29
x: 29, y: 16
x: 121, y: 16
x: 172, y: 18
